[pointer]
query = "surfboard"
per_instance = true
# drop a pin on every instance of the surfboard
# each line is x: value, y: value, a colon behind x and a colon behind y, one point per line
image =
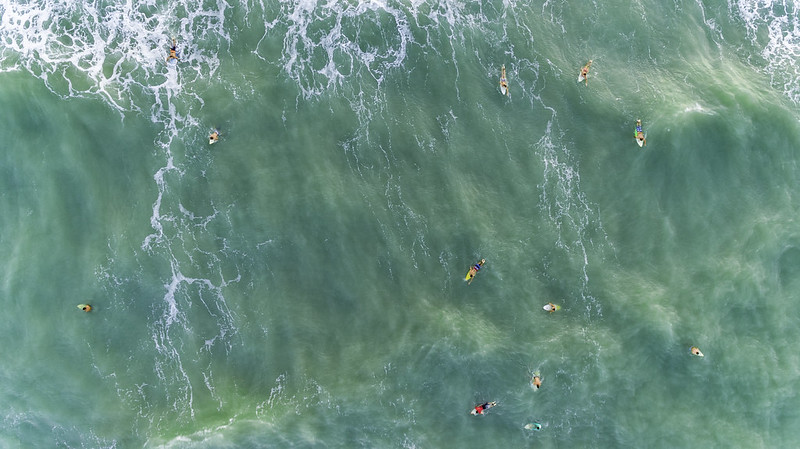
x: 581, y: 77
x: 550, y: 308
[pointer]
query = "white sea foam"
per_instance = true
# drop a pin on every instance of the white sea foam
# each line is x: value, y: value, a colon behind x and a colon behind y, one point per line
x: 774, y: 28
x: 568, y: 208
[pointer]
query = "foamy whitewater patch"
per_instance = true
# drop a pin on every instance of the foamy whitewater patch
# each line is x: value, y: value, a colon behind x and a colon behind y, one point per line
x: 779, y: 23
x: 569, y: 210
x: 116, y: 52
x: 113, y: 50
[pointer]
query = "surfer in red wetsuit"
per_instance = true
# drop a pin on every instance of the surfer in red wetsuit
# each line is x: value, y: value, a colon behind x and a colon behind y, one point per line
x: 481, y: 409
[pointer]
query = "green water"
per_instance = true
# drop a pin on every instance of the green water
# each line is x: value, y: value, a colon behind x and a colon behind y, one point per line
x: 300, y: 283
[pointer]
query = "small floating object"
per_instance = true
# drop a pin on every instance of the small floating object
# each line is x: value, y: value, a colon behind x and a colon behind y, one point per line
x: 696, y: 351
x: 550, y: 307
x: 85, y: 307
x: 533, y: 426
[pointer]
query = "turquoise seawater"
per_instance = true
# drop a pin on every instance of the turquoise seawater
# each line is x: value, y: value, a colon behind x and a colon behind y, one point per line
x: 300, y: 283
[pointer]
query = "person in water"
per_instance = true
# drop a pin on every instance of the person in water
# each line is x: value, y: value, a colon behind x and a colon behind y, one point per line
x: 214, y: 137
x: 173, y: 52
x: 640, y: 133
x: 536, y: 381
x: 696, y: 351
x: 85, y: 307
x: 481, y: 409
x: 474, y: 270
x: 585, y: 72
x: 552, y: 307
x: 503, y: 80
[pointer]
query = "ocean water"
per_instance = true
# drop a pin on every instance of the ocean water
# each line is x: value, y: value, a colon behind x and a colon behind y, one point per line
x: 300, y: 283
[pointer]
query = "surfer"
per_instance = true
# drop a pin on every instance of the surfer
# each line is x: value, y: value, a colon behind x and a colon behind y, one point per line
x: 481, y: 409
x: 585, y: 72
x: 85, y: 307
x: 474, y: 270
x: 550, y: 307
x: 696, y: 351
x: 533, y: 426
x: 536, y: 381
x: 173, y: 52
x: 504, y: 81
x: 640, y: 133
x: 214, y: 137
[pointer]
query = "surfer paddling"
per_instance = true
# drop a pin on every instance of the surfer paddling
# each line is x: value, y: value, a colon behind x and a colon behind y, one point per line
x: 85, y: 307
x: 696, y: 351
x: 214, y: 137
x: 504, y: 81
x: 640, y: 134
x: 550, y: 307
x: 585, y: 73
x: 473, y: 270
x: 536, y: 381
x: 173, y: 52
x: 481, y: 409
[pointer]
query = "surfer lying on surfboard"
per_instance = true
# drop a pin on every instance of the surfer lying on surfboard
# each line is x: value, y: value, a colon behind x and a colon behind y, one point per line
x: 473, y: 271
x: 214, y: 137
x: 550, y: 307
x: 536, y: 381
x: 504, y: 81
x: 584, y: 76
x: 173, y: 52
x: 481, y: 409
x: 640, y: 134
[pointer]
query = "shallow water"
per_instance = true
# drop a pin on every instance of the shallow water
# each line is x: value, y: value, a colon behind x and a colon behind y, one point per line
x: 300, y: 283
